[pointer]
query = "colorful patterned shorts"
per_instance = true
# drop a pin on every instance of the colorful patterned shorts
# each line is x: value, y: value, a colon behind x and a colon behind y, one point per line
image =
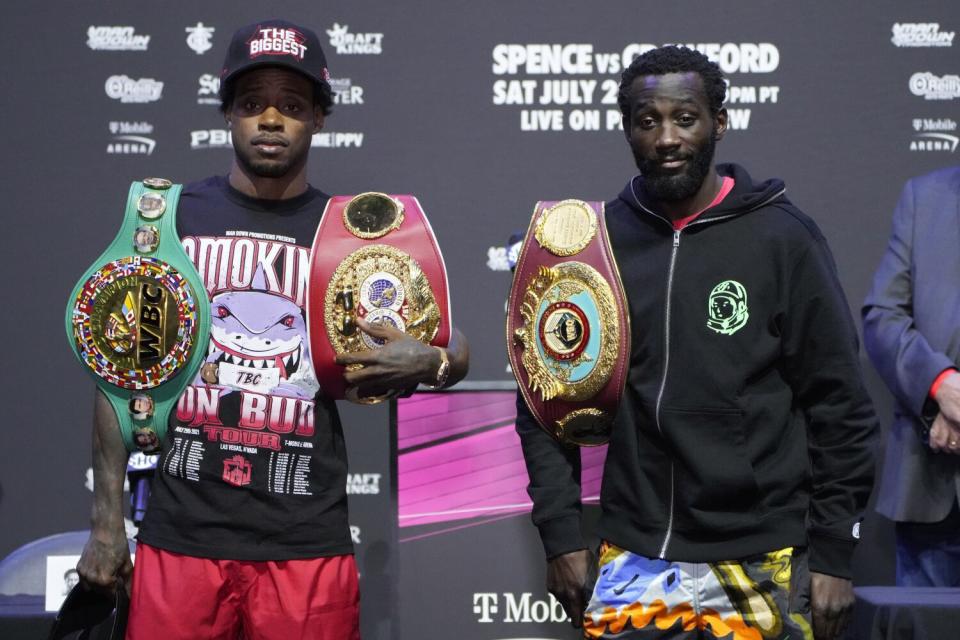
x: 764, y: 597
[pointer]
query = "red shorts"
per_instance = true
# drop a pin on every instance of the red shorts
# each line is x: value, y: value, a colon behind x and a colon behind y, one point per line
x: 177, y: 596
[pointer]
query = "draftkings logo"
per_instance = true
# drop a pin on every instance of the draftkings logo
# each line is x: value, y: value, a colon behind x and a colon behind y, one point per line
x: 934, y: 134
x: 198, y: 38
x: 208, y: 89
x: 116, y: 39
x: 921, y: 34
x: 131, y: 138
x: 933, y: 87
x: 511, y: 607
x: 347, y: 43
x: 355, y: 534
x: 363, y: 484
x: 345, y: 92
x: 128, y: 90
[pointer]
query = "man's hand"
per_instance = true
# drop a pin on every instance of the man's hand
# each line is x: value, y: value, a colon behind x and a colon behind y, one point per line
x: 945, y: 435
x: 105, y: 562
x: 831, y: 603
x: 566, y: 577
x: 401, y: 363
x: 948, y: 398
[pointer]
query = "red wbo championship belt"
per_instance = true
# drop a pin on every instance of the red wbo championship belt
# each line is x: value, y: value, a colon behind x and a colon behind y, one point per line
x: 374, y: 257
x: 568, y: 327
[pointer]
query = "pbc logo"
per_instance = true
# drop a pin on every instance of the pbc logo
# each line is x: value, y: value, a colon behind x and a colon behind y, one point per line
x: 210, y: 139
x: 237, y: 471
x: 273, y: 41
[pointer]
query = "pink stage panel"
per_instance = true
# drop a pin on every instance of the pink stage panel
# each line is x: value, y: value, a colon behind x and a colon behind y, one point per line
x: 460, y: 458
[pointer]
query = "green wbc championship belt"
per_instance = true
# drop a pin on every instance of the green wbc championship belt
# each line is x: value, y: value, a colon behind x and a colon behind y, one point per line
x: 138, y: 319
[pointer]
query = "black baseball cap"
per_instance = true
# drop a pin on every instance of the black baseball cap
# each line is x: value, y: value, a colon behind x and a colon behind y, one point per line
x: 275, y: 43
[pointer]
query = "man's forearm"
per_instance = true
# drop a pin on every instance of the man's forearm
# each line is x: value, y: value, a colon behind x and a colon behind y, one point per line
x: 459, y: 353
x: 109, y: 469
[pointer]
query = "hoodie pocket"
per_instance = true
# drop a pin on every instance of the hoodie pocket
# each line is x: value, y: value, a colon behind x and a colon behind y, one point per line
x: 714, y: 477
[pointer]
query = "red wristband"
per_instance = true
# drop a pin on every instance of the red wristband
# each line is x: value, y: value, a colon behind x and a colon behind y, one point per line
x: 939, y: 380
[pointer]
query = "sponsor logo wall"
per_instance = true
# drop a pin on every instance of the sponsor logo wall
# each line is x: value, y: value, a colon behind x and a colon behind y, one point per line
x: 479, y: 123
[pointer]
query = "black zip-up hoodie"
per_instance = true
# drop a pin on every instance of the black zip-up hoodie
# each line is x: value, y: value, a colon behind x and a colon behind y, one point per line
x: 745, y: 426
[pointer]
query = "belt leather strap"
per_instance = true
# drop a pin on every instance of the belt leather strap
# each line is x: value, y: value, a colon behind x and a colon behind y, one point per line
x: 139, y: 319
x: 375, y: 257
x: 568, y: 328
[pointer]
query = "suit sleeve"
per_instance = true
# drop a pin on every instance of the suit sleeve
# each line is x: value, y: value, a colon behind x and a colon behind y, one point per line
x: 823, y: 367
x: 902, y: 356
x: 554, y: 487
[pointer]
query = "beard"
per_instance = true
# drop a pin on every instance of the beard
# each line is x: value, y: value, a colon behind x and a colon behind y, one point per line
x: 673, y: 187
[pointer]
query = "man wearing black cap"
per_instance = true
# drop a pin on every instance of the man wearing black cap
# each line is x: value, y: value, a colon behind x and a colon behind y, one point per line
x: 247, y: 533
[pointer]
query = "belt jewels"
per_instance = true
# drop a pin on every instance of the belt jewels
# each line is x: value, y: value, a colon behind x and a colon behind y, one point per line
x: 374, y: 257
x: 568, y: 333
x: 138, y: 315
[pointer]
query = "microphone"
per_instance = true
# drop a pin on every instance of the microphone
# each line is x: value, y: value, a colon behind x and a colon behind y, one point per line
x: 140, y: 470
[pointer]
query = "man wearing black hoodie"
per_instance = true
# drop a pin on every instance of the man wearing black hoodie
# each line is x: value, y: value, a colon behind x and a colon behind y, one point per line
x: 741, y: 456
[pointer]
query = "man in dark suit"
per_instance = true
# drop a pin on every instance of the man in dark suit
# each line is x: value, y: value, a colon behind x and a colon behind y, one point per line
x: 911, y: 329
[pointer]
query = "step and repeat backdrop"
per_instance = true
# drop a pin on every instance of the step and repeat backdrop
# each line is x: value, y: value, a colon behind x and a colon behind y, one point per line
x: 479, y: 109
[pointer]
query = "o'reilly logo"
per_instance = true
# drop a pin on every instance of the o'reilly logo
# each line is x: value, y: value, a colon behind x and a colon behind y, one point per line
x: 116, y: 39
x: 128, y: 90
x: 921, y: 34
x: 933, y: 87
x: 512, y: 607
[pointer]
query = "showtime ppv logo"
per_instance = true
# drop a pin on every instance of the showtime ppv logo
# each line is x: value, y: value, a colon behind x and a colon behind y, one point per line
x: 116, y: 39
x: 363, y: 484
x: 933, y: 87
x: 921, y: 34
x: 347, y: 43
x: 512, y: 608
x: 275, y: 41
x: 931, y: 135
x: 128, y: 90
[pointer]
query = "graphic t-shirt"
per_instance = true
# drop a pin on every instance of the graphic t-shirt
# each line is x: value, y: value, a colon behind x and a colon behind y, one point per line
x: 254, y: 465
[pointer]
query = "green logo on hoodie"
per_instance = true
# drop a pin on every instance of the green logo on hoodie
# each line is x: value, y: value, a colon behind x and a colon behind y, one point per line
x: 727, y: 310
